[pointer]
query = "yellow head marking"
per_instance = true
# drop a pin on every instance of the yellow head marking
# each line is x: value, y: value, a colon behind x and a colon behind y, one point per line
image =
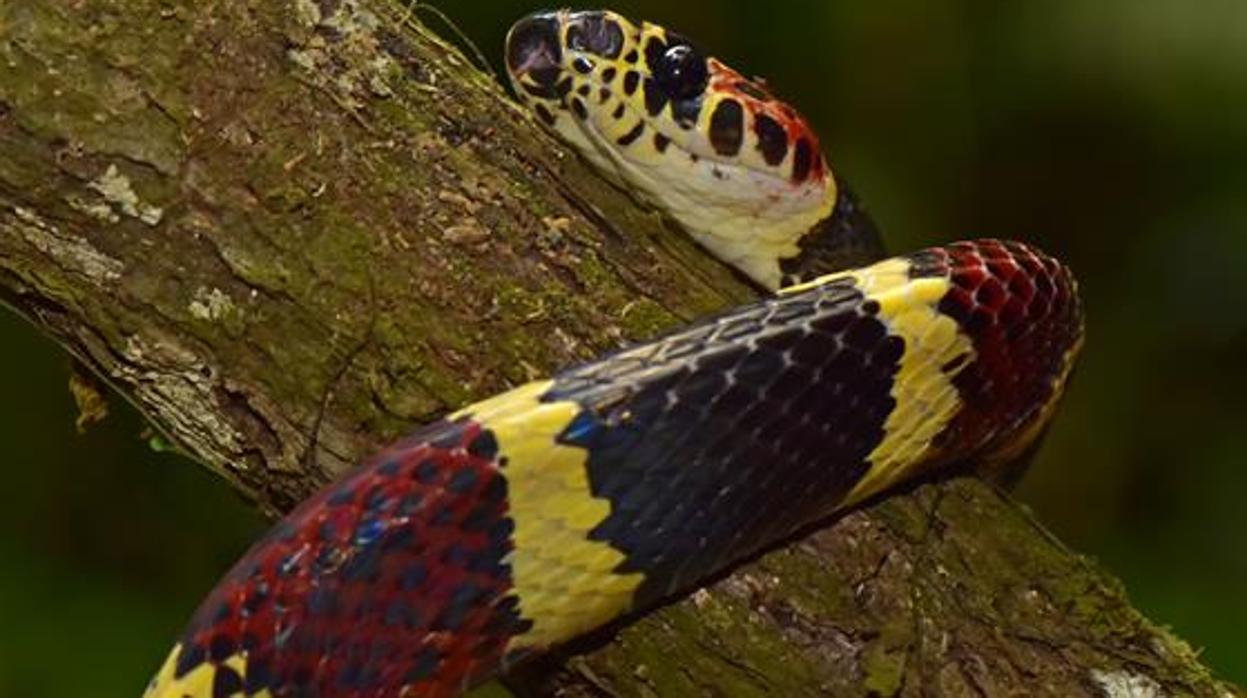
x: 740, y: 170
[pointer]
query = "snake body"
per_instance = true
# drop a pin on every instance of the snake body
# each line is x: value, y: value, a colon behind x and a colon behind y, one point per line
x: 531, y: 517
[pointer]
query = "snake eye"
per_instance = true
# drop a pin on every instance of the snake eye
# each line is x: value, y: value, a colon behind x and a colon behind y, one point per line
x: 681, y: 72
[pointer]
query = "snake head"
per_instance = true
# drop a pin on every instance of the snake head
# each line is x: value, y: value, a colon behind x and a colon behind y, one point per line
x: 738, y: 168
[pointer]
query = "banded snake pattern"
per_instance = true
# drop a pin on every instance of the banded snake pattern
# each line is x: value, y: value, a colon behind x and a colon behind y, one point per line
x: 526, y: 519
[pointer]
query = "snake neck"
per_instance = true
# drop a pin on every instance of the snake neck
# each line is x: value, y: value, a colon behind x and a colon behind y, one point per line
x: 846, y: 238
x: 779, y: 253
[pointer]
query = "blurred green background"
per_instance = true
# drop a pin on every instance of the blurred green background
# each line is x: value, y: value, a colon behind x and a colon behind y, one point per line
x: 1113, y: 132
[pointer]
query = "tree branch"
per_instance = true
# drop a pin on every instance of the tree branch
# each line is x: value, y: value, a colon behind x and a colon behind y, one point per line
x: 289, y: 231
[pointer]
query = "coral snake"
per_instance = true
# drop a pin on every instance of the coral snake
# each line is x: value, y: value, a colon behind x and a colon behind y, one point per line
x: 528, y: 518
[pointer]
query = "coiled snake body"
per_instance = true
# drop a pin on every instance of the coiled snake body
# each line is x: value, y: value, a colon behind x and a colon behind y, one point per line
x: 536, y: 515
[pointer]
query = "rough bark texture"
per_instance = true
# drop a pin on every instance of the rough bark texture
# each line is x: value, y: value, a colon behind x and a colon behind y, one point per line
x: 288, y: 231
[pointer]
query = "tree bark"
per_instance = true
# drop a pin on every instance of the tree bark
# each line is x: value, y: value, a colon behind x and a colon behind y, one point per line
x: 289, y: 231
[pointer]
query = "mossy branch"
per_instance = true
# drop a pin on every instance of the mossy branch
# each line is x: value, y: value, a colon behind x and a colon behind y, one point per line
x: 289, y: 231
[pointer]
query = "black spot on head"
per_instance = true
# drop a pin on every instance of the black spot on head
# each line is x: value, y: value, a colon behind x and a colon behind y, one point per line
x: 545, y: 114
x: 619, y: 112
x: 542, y: 91
x: 604, y: 95
x: 727, y: 127
x: 632, y: 56
x: 563, y: 88
x: 578, y: 108
x: 655, y: 97
x: 596, y: 33
x: 630, y: 137
x: 772, y: 139
x: 630, y: 82
x: 661, y: 142
x: 609, y: 74
x: 802, y: 159
x: 584, y: 89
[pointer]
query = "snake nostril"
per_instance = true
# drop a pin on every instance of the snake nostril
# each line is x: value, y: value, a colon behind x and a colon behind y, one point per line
x: 533, y: 48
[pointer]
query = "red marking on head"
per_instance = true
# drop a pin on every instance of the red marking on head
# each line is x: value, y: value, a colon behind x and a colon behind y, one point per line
x: 756, y: 98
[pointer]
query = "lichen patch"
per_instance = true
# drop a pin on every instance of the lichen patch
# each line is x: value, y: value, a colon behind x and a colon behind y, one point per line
x: 179, y: 387
x: 117, y: 190
x: 70, y: 251
x: 210, y: 304
x: 1125, y: 684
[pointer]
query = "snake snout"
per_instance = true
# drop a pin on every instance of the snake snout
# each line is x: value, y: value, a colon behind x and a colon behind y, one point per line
x: 533, y: 48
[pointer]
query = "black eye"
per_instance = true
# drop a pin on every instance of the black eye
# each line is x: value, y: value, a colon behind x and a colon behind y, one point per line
x: 681, y: 72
